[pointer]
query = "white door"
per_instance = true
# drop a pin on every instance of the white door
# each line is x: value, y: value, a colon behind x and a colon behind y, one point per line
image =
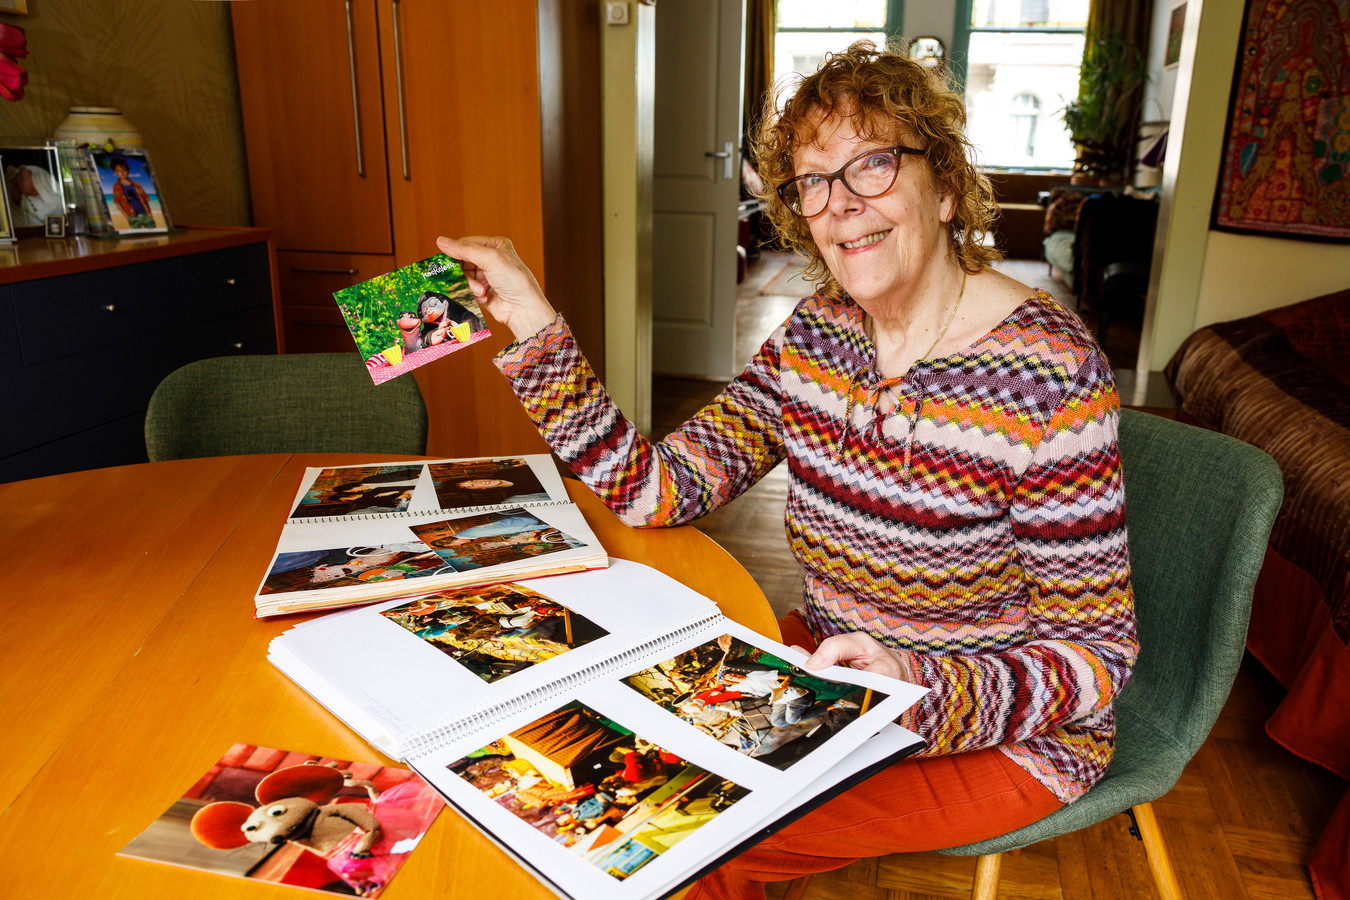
x: 696, y: 186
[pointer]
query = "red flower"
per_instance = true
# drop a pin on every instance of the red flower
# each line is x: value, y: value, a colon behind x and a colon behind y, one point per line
x: 13, y: 45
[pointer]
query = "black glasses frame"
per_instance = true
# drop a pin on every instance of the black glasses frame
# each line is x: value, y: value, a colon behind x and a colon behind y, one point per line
x: 795, y: 204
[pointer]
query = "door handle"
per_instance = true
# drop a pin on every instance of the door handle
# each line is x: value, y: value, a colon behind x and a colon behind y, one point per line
x: 398, y: 78
x: 725, y: 155
x: 356, y: 103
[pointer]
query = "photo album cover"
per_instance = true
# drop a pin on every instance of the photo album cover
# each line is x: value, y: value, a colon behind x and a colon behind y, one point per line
x: 412, y: 316
x: 288, y: 818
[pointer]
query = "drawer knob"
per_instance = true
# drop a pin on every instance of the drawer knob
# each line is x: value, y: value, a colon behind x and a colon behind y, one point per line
x: 231, y: 281
x: 108, y: 307
x: 238, y: 345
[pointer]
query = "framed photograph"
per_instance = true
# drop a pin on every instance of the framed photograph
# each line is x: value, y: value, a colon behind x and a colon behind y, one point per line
x: 1172, y: 55
x: 56, y: 226
x: 130, y: 192
x: 33, y: 185
x: 6, y: 222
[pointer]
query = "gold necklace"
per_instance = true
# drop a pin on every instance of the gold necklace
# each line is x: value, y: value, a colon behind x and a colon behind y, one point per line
x: 950, y: 318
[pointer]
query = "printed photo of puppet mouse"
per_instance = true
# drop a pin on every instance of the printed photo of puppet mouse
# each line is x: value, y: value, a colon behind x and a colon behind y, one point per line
x: 322, y: 827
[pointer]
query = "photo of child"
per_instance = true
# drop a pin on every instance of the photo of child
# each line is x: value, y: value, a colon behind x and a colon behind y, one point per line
x: 354, y: 490
x: 497, y: 630
x: 591, y: 785
x: 411, y: 316
x: 750, y: 700
x: 485, y: 482
x: 492, y: 538
x: 308, y: 570
x: 129, y: 191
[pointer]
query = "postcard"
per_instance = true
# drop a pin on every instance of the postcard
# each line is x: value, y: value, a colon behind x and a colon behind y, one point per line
x: 287, y: 818
x: 412, y: 316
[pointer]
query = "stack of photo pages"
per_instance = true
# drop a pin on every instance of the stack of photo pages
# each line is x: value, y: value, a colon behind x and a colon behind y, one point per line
x: 610, y: 729
x: 357, y: 534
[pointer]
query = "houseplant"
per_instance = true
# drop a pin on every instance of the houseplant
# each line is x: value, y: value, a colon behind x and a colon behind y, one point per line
x: 1101, y: 119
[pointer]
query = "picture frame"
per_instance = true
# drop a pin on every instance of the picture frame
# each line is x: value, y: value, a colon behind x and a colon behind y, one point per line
x: 6, y: 222
x: 14, y: 7
x: 55, y: 226
x: 132, y: 197
x: 34, y: 187
x: 1175, y: 28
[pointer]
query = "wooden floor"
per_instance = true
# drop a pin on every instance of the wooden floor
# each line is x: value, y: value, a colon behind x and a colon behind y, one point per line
x: 1240, y: 823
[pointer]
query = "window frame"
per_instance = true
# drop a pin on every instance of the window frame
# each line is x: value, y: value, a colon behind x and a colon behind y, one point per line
x: 895, y: 17
x: 961, y: 32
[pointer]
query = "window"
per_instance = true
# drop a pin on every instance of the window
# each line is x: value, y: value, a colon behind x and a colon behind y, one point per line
x: 808, y: 29
x: 1021, y: 60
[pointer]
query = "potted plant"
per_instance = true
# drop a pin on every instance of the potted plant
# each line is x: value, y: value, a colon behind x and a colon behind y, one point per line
x: 1101, y: 119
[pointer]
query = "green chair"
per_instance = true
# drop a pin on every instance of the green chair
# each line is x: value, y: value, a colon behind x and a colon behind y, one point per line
x: 1199, y: 507
x: 300, y: 403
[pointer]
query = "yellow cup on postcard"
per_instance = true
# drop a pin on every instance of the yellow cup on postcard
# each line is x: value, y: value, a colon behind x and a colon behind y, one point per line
x: 462, y: 331
x: 394, y: 355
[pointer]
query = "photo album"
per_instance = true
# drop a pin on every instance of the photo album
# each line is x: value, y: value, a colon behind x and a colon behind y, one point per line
x: 610, y: 729
x: 270, y: 815
x: 357, y: 534
x: 412, y: 316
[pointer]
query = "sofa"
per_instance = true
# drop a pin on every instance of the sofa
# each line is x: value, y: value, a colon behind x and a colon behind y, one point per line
x: 1281, y: 380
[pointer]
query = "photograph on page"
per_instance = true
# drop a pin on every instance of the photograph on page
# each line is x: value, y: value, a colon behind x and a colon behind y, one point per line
x: 469, y: 483
x: 587, y: 783
x: 493, y: 538
x: 751, y: 700
x: 495, y: 631
x: 359, y: 490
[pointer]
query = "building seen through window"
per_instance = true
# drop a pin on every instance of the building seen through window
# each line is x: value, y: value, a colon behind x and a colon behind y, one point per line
x: 1021, y: 67
x: 808, y: 29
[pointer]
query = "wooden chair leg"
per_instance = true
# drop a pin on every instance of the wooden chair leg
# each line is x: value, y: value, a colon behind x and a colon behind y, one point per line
x: 797, y: 887
x: 986, y: 877
x: 1159, y: 862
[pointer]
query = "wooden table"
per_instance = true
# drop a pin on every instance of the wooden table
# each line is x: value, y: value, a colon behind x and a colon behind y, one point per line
x: 132, y: 661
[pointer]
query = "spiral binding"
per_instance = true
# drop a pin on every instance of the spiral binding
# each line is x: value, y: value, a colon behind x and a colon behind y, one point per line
x: 453, y: 729
x: 425, y: 514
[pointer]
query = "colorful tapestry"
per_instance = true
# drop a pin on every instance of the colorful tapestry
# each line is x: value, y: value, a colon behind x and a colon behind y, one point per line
x: 1286, y: 164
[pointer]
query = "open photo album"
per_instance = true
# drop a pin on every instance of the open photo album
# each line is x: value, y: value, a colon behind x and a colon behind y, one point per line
x: 610, y: 729
x: 357, y: 534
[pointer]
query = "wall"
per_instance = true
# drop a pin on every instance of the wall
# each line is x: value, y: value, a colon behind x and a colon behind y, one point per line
x: 628, y: 75
x: 169, y: 66
x: 1202, y: 276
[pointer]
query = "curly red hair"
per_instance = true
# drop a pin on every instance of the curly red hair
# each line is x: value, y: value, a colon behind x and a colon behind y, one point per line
x: 883, y: 95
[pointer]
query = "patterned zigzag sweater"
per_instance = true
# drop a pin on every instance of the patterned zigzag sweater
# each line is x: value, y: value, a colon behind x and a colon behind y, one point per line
x: 977, y: 528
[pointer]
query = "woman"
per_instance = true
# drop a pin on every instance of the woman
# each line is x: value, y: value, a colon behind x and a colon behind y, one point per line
x: 955, y: 494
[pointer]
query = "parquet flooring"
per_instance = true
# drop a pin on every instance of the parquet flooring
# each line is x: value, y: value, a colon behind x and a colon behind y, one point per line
x: 1239, y: 824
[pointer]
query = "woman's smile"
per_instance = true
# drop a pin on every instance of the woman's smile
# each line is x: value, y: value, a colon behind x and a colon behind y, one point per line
x: 866, y: 241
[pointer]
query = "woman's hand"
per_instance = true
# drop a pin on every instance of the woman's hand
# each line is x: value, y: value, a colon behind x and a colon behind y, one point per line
x: 858, y: 650
x: 504, y: 287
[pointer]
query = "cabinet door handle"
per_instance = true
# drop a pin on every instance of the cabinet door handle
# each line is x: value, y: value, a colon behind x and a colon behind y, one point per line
x: 356, y: 106
x: 108, y: 307
x: 231, y: 282
x: 398, y: 79
x: 238, y: 345
x: 324, y: 271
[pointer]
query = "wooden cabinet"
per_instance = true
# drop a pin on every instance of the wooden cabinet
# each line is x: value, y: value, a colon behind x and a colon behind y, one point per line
x: 88, y: 329
x: 372, y: 127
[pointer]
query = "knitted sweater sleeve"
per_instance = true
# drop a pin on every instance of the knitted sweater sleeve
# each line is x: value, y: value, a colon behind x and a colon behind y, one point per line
x: 1068, y: 521
x: 710, y: 460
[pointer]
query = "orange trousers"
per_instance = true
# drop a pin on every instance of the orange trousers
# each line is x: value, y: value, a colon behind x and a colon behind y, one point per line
x: 914, y: 805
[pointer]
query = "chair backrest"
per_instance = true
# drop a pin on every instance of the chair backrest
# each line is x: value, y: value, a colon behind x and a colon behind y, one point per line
x: 298, y: 403
x: 1199, y: 509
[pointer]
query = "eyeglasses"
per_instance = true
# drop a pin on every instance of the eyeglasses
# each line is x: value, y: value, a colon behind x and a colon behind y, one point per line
x: 869, y: 174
